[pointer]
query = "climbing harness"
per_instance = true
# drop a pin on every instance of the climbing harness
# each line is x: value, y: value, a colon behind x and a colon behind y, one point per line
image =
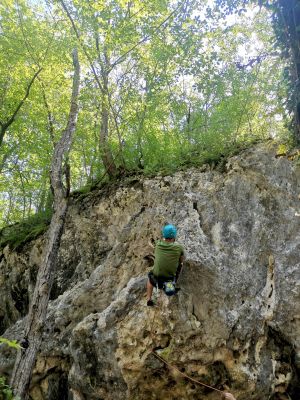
x: 169, y: 288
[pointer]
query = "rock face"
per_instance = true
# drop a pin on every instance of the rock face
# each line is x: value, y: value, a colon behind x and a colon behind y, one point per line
x: 235, y: 323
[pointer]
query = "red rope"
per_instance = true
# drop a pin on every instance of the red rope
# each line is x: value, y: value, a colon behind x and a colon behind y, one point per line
x: 172, y: 366
x: 185, y: 375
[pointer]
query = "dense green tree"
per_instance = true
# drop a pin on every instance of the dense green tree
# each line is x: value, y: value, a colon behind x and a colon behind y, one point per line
x: 29, y: 37
x: 286, y: 24
x: 177, y: 79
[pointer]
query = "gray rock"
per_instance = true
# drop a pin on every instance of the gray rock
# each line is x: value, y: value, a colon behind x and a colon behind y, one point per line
x: 235, y: 323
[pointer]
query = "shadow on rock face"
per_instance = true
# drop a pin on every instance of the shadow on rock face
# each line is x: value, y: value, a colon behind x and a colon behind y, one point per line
x: 286, y: 368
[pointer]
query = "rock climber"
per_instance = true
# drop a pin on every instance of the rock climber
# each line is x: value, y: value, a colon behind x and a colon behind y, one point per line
x: 168, y: 261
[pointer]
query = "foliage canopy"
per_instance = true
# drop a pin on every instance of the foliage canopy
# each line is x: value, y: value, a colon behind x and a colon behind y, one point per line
x: 165, y: 84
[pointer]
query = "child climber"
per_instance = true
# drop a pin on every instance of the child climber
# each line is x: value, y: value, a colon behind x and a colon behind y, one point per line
x: 167, y: 263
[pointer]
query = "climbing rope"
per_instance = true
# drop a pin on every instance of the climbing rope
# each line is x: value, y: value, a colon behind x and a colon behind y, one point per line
x: 174, y: 367
x: 185, y: 375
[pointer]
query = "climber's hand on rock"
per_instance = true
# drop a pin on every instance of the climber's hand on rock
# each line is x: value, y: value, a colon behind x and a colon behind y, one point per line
x: 228, y: 396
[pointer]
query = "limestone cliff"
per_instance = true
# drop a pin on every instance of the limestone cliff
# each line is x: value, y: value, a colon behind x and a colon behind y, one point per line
x: 235, y: 322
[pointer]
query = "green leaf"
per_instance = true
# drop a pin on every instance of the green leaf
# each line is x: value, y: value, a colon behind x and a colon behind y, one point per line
x: 11, y: 343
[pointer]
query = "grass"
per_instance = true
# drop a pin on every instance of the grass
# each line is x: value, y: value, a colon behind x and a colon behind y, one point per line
x: 18, y: 234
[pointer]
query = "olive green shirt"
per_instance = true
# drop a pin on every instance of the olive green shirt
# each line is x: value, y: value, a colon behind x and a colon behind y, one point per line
x: 167, y: 255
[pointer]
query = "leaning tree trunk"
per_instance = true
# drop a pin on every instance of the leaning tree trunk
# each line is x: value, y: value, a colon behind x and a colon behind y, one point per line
x: 38, y: 308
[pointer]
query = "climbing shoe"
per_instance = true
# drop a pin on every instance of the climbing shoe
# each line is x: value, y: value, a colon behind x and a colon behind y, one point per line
x: 150, y: 303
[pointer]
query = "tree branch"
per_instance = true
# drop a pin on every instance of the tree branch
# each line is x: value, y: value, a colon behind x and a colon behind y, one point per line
x: 5, y: 125
x: 49, y: 114
x: 147, y: 37
x: 82, y: 45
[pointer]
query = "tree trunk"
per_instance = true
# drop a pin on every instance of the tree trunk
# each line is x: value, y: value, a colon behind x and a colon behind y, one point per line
x: 296, y: 19
x: 289, y: 14
x: 38, y: 308
x: 107, y: 157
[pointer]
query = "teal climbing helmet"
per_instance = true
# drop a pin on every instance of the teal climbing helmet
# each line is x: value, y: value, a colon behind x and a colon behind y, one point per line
x: 169, y: 232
